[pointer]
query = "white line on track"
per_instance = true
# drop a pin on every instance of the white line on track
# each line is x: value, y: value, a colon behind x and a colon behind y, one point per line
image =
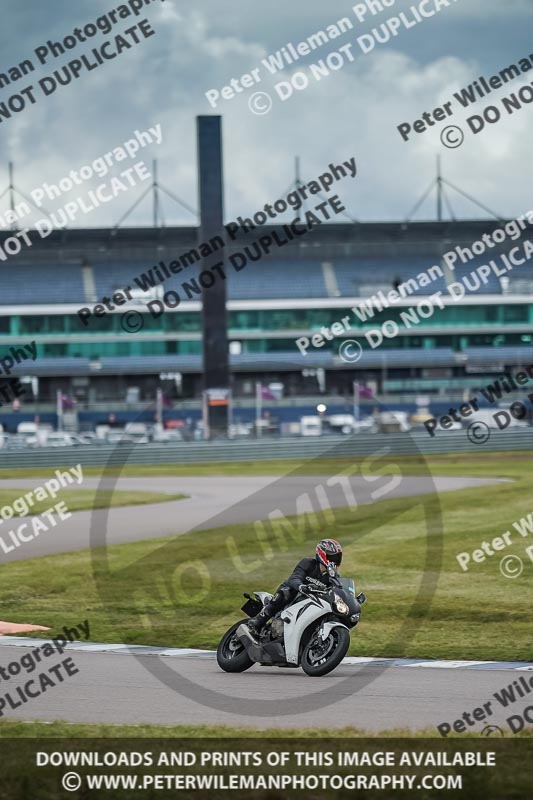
x: 185, y: 652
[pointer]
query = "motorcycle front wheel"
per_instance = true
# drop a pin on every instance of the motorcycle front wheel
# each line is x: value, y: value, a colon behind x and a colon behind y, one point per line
x: 231, y: 654
x: 320, y: 657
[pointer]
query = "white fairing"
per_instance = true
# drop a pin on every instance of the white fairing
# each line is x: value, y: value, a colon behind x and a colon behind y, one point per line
x: 327, y: 627
x: 295, y: 625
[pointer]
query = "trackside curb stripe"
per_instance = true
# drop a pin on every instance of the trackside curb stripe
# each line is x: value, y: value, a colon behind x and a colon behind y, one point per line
x: 184, y: 652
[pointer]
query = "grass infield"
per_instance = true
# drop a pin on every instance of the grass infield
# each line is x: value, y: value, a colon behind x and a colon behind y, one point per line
x: 148, y: 592
x: 86, y: 499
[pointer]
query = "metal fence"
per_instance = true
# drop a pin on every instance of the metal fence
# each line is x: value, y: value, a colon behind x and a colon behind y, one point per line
x: 261, y: 450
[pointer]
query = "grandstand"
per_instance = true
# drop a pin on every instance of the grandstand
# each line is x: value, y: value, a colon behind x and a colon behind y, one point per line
x: 311, y: 283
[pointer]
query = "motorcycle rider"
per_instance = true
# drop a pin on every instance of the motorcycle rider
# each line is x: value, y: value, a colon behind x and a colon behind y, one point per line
x: 308, y: 570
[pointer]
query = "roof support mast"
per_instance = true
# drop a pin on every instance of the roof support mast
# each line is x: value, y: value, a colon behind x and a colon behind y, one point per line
x: 439, y: 191
x: 12, y: 194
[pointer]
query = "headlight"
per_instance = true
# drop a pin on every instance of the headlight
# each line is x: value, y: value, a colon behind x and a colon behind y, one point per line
x: 340, y: 605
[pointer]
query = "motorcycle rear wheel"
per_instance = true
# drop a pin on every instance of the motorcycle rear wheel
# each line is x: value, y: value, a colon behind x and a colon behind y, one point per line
x: 319, y: 658
x: 231, y: 654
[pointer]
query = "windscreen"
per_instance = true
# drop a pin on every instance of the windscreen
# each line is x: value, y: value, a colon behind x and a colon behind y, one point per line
x: 348, y: 584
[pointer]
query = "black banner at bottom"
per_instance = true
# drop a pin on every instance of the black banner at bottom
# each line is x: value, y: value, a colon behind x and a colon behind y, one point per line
x: 478, y: 769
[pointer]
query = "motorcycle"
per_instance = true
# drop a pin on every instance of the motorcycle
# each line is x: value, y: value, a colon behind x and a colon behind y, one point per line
x: 312, y: 632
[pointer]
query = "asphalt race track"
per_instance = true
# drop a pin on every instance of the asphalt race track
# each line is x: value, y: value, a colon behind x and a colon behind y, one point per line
x: 119, y: 688
x: 126, y: 686
x: 213, y: 501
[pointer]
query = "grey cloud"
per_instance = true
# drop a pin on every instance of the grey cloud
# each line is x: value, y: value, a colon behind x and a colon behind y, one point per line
x: 353, y: 112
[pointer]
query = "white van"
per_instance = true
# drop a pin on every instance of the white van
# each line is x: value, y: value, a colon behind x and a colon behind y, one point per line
x: 310, y: 426
x: 394, y: 422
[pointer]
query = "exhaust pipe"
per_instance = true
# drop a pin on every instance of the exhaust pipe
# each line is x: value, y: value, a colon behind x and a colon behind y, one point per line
x: 250, y: 645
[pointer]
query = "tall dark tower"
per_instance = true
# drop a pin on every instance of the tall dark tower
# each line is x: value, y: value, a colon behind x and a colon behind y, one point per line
x: 214, y: 318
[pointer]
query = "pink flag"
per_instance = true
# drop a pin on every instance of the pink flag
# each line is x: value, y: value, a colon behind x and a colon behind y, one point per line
x: 266, y: 394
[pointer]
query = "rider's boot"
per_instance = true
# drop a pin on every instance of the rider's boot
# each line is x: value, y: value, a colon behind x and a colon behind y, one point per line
x: 257, y: 623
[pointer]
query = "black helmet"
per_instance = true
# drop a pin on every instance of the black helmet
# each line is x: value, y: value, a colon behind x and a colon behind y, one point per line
x: 328, y: 551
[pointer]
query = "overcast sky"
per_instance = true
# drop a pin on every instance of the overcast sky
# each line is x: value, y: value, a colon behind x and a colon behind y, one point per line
x: 353, y: 112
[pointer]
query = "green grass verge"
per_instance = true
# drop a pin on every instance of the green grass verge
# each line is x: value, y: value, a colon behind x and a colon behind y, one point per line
x: 149, y: 592
x: 84, y: 499
x: 481, y: 463
x: 45, y: 730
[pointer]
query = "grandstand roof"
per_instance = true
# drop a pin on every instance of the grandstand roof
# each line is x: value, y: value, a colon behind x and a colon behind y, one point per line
x: 376, y: 233
x: 81, y: 266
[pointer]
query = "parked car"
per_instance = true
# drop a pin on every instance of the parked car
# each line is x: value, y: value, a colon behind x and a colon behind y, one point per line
x: 240, y: 430
x: 15, y: 441
x: 89, y: 437
x: 139, y: 432
x: 118, y: 437
x: 341, y: 423
x: 58, y: 439
x: 394, y: 422
x: 81, y: 439
x: 167, y: 436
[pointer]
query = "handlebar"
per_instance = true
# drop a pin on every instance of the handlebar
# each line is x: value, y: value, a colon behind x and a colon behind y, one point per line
x: 304, y: 588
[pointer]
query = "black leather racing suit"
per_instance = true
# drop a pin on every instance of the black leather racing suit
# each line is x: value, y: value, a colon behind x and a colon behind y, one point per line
x: 306, y: 571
